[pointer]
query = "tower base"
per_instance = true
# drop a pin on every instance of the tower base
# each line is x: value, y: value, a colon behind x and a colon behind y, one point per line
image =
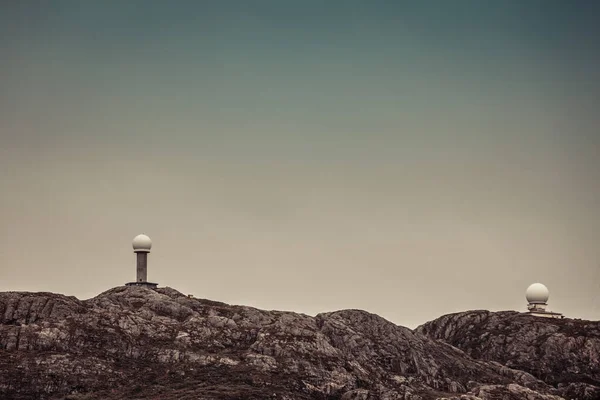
x: 146, y: 284
x: 539, y: 310
x: 545, y: 314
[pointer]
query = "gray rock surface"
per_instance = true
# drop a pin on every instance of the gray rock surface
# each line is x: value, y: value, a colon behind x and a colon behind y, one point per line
x: 564, y: 353
x: 140, y: 343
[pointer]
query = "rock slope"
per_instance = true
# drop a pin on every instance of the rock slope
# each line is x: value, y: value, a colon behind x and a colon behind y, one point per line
x: 564, y: 353
x: 141, y: 343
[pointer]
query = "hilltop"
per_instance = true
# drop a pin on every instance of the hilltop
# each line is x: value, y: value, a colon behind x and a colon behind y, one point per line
x: 143, y: 343
x: 564, y: 353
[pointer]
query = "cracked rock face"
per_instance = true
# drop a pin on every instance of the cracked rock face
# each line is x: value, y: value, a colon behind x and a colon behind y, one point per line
x: 141, y: 343
x: 564, y: 353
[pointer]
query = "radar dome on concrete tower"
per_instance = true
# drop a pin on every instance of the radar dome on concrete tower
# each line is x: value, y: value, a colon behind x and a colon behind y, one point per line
x: 142, y: 244
x: 141, y: 247
x: 537, y: 293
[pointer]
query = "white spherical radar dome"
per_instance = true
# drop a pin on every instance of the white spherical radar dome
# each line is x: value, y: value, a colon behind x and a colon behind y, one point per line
x: 537, y: 294
x: 142, y: 243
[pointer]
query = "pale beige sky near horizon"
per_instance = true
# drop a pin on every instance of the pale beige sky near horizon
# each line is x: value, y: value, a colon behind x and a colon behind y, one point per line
x: 290, y: 159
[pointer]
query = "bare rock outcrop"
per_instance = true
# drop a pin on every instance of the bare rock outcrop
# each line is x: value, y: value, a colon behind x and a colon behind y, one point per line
x: 141, y: 343
x: 564, y: 353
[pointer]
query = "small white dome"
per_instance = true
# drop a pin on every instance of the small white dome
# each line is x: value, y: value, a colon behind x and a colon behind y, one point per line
x: 537, y: 294
x: 142, y: 243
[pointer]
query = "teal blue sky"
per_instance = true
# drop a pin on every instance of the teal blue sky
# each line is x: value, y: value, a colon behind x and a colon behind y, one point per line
x: 407, y: 158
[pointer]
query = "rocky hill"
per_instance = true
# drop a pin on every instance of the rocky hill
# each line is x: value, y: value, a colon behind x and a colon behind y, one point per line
x: 141, y: 343
x: 564, y: 353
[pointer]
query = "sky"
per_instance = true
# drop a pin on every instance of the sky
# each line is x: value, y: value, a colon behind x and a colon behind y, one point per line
x: 408, y: 158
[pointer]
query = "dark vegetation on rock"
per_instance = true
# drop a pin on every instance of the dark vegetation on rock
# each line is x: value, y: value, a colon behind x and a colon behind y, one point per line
x: 140, y: 343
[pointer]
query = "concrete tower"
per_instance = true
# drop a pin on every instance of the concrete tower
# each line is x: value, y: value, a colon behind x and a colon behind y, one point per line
x: 537, y: 296
x: 141, y: 247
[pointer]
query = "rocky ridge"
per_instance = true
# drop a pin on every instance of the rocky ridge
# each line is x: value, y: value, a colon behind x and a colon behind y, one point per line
x: 564, y: 353
x: 141, y: 343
